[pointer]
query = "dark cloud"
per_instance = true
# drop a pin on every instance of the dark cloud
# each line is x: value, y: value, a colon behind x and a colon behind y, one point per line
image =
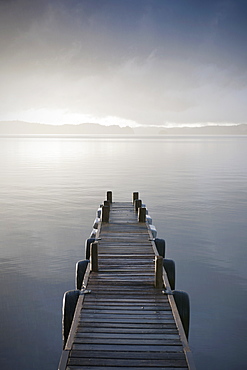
x: 178, y: 59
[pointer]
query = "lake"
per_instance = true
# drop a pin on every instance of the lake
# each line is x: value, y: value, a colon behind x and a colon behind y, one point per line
x: 196, y: 193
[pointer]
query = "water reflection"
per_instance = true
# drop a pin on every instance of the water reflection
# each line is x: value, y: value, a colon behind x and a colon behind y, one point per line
x: 196, y: 193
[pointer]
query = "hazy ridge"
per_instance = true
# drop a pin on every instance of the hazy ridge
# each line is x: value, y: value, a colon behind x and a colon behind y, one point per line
x: 240, y: 129
x: 27, y: 128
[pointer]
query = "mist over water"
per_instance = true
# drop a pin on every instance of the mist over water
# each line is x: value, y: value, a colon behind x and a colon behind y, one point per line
x: 195, y: 190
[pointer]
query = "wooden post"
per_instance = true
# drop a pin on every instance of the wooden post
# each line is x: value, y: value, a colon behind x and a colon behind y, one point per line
x: 106, y: 203
x: 137, y: 204
x: 94, y: 257
x: 109, y: 196
x: 158, y: 283
x: 105, y: 213
x: 135, y: 196
x: 142, y: 214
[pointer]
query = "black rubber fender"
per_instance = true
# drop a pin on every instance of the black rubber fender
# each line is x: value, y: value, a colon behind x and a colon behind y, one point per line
x: 183, y: 305
x: 80, y: 270
x: 87, y: 247
x: 169, y: 266
x: 161, y: 246
x: 70, y: 299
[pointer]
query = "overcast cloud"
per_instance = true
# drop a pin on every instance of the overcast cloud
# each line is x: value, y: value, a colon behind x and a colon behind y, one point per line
x: 124, y: 61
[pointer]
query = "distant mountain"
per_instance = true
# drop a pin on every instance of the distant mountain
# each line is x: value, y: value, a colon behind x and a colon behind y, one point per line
x: 27, y: 128
x: 206, y: 130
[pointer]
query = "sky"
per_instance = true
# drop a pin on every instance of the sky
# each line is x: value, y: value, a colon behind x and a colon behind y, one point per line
x: 126, y: 62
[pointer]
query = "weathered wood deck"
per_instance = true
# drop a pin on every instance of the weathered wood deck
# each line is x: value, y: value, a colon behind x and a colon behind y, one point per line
x: 125, y: 322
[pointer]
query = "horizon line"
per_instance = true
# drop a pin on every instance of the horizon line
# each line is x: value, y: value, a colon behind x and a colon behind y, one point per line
x: 165, y: 126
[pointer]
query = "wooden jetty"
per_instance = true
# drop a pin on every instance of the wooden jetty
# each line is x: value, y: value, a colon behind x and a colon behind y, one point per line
x: 124, y: 313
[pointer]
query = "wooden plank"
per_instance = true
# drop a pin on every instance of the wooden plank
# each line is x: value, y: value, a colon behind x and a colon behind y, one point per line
x: 127, y: 313
x: 115, y: 306
x: 128, y: 330
x: 79, y: 338
x: 139, y: 321
x: 123, y: 362
x: 81, y: 367
x: 121, y: 288
x: 130, y: 355
x: 128, y: 302
x: 145, y: 270
x: 122, y: 275
x: 133, y: 335
x: 126, y: 257
x: 108, y: 275
x: 63, y: 360
x: 127, y: 251
x: 122, y: 282
x: 127, y: 348
x: 112, y: 291
x: 142, y: 256
x: 119, y: 299
x: 125, y: 322
x: 130, y: 325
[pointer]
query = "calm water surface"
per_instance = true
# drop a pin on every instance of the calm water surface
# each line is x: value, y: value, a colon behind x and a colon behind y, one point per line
x: 195, y: 189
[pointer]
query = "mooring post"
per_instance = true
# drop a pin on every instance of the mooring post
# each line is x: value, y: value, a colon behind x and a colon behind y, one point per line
x: 94, y: 256
x: 106, y: 203
x: 158, y: 283
x: 137, y: 204
x: 135, y: 196
x: 109, y: 196
x: 105, y: 213
x: 142, y: 214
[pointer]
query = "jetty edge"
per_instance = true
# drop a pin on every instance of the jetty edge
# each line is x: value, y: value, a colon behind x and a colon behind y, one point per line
x: 125, y: 312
